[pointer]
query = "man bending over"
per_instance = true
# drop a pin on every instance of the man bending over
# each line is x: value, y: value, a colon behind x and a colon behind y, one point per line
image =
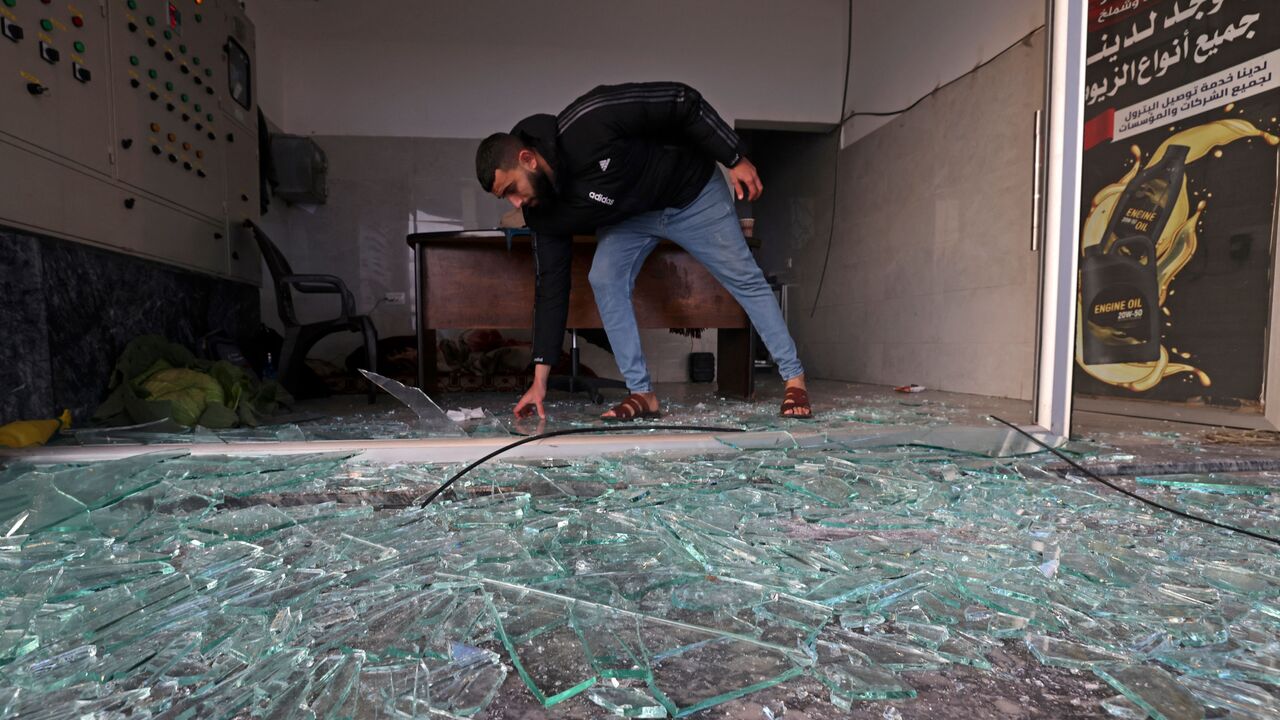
x: 632, y: 164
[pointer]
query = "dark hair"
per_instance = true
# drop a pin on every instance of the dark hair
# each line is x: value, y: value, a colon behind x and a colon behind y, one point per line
x: 496, y: 152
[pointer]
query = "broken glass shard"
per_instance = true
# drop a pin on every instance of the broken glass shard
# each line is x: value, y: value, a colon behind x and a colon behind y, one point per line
x: 430, y: 417
x: 1154, y: 690
x: 627, y: 702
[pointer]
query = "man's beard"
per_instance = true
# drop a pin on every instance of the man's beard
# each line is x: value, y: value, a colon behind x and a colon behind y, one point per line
x: 544, y: 191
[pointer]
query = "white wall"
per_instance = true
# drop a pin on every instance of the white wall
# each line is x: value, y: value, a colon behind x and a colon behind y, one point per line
x: 465, y: 69
x: 902, y: 49
x: 272, y: 65
x: 931, y: 277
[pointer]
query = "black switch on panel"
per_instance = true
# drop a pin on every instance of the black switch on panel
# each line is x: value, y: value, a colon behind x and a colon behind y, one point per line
x: 126, y: 143
x: 155, y: 95
x: 36, y: 89
x: 173, y: 158
x: 151, y: 42
x: 129, y: 203
x: 156, y: 149
x: 81, y: 73
x: 168, y: 55
x: 231, y: 137
x: 200, y: 173
x: 133, y: 27
x: 169, y: 107
x: 133, y: 82
x: 11, y: 30
x: 49, y: 53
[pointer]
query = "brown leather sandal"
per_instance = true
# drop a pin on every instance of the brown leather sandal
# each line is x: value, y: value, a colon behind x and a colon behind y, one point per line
x: 633, y: 408
x: 796, y: 400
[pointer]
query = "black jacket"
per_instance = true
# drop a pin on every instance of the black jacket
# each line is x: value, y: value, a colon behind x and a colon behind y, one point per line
x: 617, y: 151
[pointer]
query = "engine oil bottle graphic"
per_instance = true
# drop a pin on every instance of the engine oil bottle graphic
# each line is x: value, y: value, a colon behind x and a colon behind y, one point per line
x: 1119, y: 283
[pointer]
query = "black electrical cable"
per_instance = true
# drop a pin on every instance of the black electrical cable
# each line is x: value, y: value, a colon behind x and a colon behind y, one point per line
x: 835, y: 161
x: 1135, y: 496
x: 866, y: 113
x: 571, y: 431
x: 1020, y: 41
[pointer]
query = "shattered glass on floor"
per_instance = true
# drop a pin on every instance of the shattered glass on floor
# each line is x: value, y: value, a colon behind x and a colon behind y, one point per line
x: 169, y: 585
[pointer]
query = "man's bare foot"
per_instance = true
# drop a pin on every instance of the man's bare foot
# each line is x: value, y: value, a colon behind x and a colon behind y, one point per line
x: 628, y: 411
x: 795, y: 399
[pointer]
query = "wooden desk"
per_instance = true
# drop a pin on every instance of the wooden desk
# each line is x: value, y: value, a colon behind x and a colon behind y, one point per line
x: 469, y: 279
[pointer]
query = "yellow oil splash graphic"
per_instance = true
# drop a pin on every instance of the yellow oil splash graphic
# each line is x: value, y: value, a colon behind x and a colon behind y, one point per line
x: 1174, y: 249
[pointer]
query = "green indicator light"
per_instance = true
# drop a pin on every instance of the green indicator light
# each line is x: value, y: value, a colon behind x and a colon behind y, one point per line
x: 10, y: 3
x: 209, y: 117
x: 208, y: 72
x: 133, y: 60
x: 168, y: 35
x: 168, y: 86
x: 46, y: 25
x: 133, y: 4
x: 199, y: 17
x: 151, y: 21
x: 182, y: 49
x: 196, y: 60
x: 153, y: 74
x: 79, y: 46
x: 184, y: 97
x: 198, y: 108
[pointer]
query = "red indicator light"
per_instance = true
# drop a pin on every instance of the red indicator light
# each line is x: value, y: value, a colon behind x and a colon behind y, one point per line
x: 77, y: 21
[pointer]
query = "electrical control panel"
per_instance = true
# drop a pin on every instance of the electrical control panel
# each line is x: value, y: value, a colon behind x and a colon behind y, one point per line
x: 132, y: 124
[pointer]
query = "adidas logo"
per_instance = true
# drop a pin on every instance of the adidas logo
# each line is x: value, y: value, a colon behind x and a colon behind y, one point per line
x: 600, y: 198
x: 604, y: 164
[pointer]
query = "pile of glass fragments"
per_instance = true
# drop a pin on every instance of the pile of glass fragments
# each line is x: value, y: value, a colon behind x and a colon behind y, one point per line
x: 311, y: 586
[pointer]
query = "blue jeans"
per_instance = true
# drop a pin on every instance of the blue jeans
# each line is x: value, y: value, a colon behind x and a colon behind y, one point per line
x: 708, y: 229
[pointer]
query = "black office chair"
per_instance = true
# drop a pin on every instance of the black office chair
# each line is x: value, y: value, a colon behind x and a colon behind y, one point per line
x: 575, y: 382
x: 299, y: 338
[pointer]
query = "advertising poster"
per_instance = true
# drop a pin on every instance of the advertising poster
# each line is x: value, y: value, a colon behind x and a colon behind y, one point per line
x: 1178, y: 200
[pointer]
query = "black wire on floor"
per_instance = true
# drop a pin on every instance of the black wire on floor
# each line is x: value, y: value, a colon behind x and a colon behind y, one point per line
x: 1090, y: 474
x: 571, y: 431
x: 701, y: 428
